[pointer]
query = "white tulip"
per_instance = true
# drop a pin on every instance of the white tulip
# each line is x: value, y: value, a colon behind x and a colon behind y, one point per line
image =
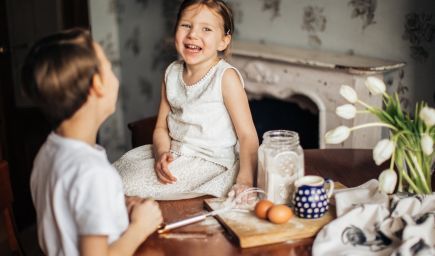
x: 337, y: 135
x: 427, y: 144
x: 348, y: 93
x: 375, y: 85
x: 427, y: 114
x: 346, y: 111
x: 387, y: 181
x: 383, y: 151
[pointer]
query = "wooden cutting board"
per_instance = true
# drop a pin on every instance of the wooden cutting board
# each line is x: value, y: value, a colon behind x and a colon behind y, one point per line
x: 252, y: 231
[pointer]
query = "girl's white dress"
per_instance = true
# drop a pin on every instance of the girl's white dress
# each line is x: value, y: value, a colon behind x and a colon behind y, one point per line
x: 203, y: 142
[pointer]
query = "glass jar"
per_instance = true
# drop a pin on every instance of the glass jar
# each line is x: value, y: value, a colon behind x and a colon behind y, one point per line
x: 280, y: 164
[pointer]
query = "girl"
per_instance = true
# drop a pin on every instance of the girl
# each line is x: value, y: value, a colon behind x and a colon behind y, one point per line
x: 203, y: 113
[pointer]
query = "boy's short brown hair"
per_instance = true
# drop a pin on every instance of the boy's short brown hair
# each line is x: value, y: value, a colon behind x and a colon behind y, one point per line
x: 57, y: 73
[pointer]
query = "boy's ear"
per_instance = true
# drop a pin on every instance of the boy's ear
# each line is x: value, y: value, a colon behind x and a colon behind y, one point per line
x: 97, y: 87
x: 224, y: 43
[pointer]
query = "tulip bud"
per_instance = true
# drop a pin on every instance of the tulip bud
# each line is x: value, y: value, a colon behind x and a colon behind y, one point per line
x: 427, y: 114
x: 383, y: 151
x: 387, y: 181
x: 348, y: 93
x: 346, y: 111
x: 337, y: 135
x: 427, y: 144
x: 375, y: 85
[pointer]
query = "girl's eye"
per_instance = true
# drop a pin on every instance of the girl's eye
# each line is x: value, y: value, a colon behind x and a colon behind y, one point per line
x: 207, y: 29
x: 185, y: 25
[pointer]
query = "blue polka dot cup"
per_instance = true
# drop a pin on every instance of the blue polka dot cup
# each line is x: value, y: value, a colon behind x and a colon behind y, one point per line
x: 310, y: 199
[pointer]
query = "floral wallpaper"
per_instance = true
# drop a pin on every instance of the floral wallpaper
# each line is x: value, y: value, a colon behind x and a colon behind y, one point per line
x: 273, y: 6
x: 133, y: 42
x: 314, y: 22
x: 164, y: 51
x: 361, y: 27
x: 104, y: 22
x: 107, y: 42
x: 237, y: 14
x: 365, y: 10
x: 402, y: 90
x: 138, y: 38
x: 420, y: 32
x: 143, y: 3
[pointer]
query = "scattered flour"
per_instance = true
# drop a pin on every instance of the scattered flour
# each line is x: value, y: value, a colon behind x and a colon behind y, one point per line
x: 182, y: 236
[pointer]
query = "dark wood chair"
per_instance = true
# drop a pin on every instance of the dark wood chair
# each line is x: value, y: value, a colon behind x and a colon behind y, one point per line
x: 6, y: 199
x: 142, y: 131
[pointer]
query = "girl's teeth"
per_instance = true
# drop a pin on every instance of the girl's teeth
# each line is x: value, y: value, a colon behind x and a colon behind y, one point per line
x: 193, y: 47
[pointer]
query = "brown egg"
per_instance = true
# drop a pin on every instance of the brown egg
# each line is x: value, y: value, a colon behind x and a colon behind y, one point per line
x: 262, y: 207
x: 279, y: 214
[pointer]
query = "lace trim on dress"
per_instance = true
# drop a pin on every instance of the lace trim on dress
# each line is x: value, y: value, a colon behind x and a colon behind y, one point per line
x: 203, y: 79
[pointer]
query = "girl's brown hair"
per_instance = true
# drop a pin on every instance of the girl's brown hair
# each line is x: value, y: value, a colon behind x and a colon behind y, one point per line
x: 220, y: 7
x: 57, y: 73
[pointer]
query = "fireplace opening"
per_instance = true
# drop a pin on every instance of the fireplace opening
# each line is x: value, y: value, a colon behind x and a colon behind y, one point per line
x: 298, y: 113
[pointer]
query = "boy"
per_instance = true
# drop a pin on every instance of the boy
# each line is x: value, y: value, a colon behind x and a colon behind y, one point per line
x: 77, y: 194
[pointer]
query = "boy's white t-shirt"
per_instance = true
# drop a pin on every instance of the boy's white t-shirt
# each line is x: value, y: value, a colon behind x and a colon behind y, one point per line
x: 76, y: 192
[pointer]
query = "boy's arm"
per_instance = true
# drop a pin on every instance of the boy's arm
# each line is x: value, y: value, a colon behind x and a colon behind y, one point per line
x: 94, y: 245
x: 126, y: 245
x: 145, y: 219
x: 236, y: 102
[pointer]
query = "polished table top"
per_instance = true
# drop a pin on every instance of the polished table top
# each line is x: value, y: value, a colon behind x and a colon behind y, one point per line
x: 351, y: 167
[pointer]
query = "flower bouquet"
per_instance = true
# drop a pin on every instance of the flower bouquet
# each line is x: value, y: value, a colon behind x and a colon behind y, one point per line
x: 410, y: 143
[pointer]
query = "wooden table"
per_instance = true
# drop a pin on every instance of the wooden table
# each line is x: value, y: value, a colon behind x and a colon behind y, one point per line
x: 351, y: 167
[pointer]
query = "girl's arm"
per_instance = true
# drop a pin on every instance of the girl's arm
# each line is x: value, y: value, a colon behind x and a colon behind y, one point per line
x: 162, y: 141
x: 236, y: 102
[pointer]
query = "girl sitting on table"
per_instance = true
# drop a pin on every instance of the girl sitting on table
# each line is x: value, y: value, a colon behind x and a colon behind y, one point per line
x: 204, y: 141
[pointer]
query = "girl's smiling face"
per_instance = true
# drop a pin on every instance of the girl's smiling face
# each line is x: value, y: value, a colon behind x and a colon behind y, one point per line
x: 199, y: 35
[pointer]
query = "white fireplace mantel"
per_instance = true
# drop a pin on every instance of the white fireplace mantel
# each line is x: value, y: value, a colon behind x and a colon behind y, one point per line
x: 281, y: 72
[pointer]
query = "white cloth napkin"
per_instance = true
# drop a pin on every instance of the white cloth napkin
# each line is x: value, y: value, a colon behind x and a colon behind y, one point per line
x: 370, y: 223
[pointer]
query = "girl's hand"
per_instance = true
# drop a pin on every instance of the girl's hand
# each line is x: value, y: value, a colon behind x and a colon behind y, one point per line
x: 162, y: 170
x: 236, y: 190
x: 147, y: 216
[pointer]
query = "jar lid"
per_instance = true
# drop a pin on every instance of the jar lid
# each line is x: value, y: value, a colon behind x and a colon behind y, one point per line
x: 281, y: 137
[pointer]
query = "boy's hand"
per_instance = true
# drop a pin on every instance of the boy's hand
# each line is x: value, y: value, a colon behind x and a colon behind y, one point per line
x: 162, y: 170
x: 131, y: 201
x: 147, y: 215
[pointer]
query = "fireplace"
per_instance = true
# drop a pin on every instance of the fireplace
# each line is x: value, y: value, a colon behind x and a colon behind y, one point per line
x: 297, y: 89
x: 273, y: 114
